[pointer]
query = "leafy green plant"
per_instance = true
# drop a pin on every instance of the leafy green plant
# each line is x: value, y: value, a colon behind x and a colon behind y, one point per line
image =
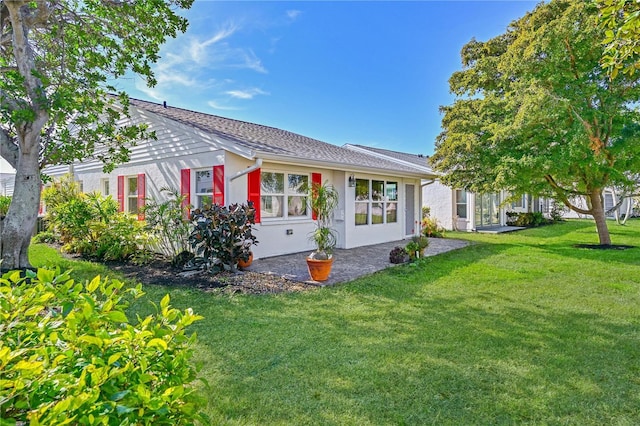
x: 69, y: 354
x: 167, y: 222
x: 91, y: 225
x: 45, y: 237
x: 529, y: 220
x: 324, y: 200
x: 432, y: 228
x: 223, y: 235
x: 5, y: 202
x: 415, y: 248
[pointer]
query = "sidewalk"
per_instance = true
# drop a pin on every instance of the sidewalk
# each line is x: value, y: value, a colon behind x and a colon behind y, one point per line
x: 349, y: 264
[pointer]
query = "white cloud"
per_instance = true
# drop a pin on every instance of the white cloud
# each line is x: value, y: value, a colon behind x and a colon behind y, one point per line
x: 197, y: 49
x: 246, y: 94
x: 293, y: 14
x: 217, y: 105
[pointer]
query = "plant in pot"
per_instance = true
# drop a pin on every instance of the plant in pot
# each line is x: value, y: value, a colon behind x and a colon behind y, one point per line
x: 324, y: 200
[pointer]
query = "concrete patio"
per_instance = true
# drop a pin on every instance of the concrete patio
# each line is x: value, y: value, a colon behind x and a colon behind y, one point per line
x: 349, y: 264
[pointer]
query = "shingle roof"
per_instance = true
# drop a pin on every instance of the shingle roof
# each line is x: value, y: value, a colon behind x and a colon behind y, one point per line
x: 417, y: 159
x: 272, y: 141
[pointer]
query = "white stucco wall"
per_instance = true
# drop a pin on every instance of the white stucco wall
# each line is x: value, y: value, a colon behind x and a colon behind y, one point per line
x: 439, y: 199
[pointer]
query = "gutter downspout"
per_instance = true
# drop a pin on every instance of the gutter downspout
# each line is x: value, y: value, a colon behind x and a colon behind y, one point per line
x: 249, y: 169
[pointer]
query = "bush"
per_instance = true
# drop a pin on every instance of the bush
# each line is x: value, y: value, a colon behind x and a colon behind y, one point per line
x: 167, y: 222
x: 68, y: 354
x: 528, y: 220
x: 398, y: 255
x: 223, y: 235
x: 91, y: 225
x: 5, y: 202
x: 431, y: 228
x: 415, y: 248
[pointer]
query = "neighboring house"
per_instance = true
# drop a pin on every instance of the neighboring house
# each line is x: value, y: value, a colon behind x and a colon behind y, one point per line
x: 7, y: 178
x: 454, y: 208
x: 215, y: 159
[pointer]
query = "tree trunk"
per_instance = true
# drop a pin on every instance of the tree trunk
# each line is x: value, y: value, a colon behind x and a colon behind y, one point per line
x: 598, y: 213
x: 21, y: 218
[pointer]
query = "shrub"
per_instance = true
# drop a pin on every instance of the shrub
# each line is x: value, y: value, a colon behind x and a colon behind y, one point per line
x: 529, y: 220
x: 431, y: 228
x: 167, y: 222
x: 415, y: 248
x: 91, y: 225
x: 5, y: 202
x: 45, y: 237
x: 398, y: 255
x: 69, y: 354
x: 223, y: 235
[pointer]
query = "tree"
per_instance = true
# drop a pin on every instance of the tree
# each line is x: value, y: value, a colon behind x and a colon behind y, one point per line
x: 535, y: 113
x: 621, y: 20
x: 59, y: 60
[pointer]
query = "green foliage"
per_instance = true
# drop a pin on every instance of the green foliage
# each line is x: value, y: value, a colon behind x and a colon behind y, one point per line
x: 47, y: 237
x: 69, y: 354
x: 324, y: 200
x: 59, y: 100
x: 167, y: 222
x: 529, y: 219
x: 415, y: 248
x: 5, y: 202
x: 535, y: 114
x: 426, y: 211
x: 621, y: 21
x: 432, y: 228
x: 91, y: 225
x: 222, y: 235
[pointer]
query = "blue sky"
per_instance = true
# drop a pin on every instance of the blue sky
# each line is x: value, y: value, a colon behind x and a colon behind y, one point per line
x: 362, y: 72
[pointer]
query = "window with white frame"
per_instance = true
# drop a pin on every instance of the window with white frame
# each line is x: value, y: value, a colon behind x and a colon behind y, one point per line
x: 132, y: 195
x: 376, y: 202
x: 461, y: 204
x: 204, y: 188
x: 283, y: 195
x: 520, y: 203
x: 105, y: 187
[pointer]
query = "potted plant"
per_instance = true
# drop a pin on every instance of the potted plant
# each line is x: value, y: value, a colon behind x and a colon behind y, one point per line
x: 416, y: 247
x: 324, y: 200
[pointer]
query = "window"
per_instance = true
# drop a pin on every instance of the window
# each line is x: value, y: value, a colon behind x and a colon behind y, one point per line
x: 105, y: 187
x: 520, y: 203
x: 132, y: 195
x: 461, y: 204
x: 204, y: 188
x: 376, y: 202
x: 274, y: 192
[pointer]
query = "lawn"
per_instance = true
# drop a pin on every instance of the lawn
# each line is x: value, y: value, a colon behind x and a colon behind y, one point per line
x: 517, y: 328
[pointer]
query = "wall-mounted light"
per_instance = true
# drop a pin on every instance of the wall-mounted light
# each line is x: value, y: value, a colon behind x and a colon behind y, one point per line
x: 352, y: 181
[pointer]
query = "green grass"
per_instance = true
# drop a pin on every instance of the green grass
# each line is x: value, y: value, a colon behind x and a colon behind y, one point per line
x: 517, y: 328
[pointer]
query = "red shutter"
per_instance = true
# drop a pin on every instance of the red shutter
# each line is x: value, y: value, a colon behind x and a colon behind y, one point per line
x: 141, y: 195
x: 253, y: 191
x: 316, y: 179
x: 218, y: 185
x: 120, y: 193
x: 185, y: 186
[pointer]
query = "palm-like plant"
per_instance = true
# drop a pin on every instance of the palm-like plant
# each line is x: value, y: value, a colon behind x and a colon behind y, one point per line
x: 324, y: 200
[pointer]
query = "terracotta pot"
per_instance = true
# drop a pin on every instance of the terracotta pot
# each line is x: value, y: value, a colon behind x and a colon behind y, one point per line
x: 245, y: 264
x: 319, y: 270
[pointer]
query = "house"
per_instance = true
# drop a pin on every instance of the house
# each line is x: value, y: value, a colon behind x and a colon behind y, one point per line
x: 455, y: 209
x: 221, y: 160
x: 7, y: 178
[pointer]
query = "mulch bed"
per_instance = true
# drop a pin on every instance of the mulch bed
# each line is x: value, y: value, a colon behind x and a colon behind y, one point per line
x: 159, y: 271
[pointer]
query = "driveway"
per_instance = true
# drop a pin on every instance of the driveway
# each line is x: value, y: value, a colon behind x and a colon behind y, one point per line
x: 349, y: 264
